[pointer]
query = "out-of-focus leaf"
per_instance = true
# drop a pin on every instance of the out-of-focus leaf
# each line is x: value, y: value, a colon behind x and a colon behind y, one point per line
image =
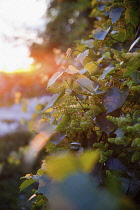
x: 122, y: 35
x: 114, y: 98
x: 132, y: 16
x: 72, y: 70
x: 90, y: 66
x: 68, y: 52
x: 54, y: 78
x: 125, y: 183
x: 134, y: 187
x: 133, y: 44
x: 131, y: 186
x: 26, y: 184
x: 45, y: 185
x: 65, y: 164
x: 106, y: 71
x: 104, y: 123
x: 57, y: 137
x: 136, y: 76
x: 78, y: 192
x: 132, y: 65
x: 45, y: 129
x: 115, y: 14
x: 80, y: 58
x: 89, y: 43
x: 87, y: 84
x: 53, y: 100
x: 100, y: 34
x: 93, y: 2
x: 88, y: 160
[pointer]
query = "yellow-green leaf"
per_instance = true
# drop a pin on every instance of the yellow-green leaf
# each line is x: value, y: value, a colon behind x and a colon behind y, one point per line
x: 26, y: 183
x: 91, y: 66
x: 62, y: 165
x: 88, y: 160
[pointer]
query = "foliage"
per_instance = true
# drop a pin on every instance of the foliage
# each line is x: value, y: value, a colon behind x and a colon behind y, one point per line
x: 97, y: 107
x: 11, y: 169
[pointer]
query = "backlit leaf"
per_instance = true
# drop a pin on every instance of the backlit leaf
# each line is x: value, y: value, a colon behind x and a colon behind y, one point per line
x: 54, y: 78
x: 57, y: 137
x: 68, y: 52
x: 106, y: 71
x: 72, y: 70
x: 80, y: 58
x: 87, y: 84
x: 114, y: 98
x: 119, y: 133
x: 54, y: 99
x: 100, y: 34
x: 115, y: 14
x: 91, y: 66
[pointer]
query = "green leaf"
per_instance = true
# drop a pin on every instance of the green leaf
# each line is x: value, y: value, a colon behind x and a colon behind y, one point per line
x: 54, y: 99
x: 132, y: 16
x: 62, y: 165
x: 54, y: 78
x: 104, y: 123
x: 132, y: 65
x: 106, y: 71
x: 81, y: 57
x: 91, y: 66
x: 136, y: 76
x: 121, y: 35
x: 64, y: 120
x: 114, y: 98
x: 26, y: 184
x: 87, y: 84
x: 100, y: 34
x: 115, y: 14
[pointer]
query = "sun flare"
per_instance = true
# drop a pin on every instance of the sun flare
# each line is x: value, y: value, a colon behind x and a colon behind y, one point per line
x: 15, y: 60
x: 19, y: 23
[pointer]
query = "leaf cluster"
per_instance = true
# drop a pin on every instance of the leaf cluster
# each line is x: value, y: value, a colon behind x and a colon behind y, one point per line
x: 98, y: 108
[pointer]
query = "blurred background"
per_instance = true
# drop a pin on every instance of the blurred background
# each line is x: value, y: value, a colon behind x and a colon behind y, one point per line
x: 32, y: 32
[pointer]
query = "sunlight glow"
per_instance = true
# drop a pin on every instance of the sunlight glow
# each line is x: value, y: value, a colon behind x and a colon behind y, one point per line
x: 22, y: 19
x: 14, y: 59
